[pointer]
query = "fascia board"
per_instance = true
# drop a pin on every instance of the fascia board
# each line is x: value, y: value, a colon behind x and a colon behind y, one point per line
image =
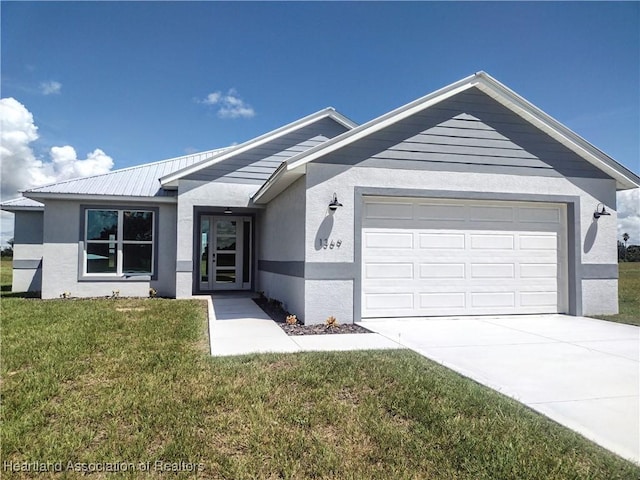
x: 259, y: 197
x: 98, y: 198
x: 256, y: 142
x: 9, y: 208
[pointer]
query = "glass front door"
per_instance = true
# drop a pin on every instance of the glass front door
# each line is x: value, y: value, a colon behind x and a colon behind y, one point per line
x: 225, y: 253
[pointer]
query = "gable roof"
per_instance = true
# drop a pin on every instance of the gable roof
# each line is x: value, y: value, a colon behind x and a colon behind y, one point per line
x: 170, y: 181
x: 294, y: 167
x: 131, y: 182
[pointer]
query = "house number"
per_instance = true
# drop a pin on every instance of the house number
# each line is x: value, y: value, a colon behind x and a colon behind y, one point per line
x: 327, y: 242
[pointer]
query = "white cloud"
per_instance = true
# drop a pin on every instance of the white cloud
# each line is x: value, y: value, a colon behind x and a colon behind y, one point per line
x: 629, y: 215
x: 21, y: 169
x: 50, y: 88
x: 229, y: 104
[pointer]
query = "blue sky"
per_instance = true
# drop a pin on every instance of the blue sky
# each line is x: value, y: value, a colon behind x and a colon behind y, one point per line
x: 131, y: 78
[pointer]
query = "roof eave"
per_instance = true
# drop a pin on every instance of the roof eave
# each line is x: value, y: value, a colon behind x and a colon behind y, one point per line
x: 99, y: 198
x: 10, y: 208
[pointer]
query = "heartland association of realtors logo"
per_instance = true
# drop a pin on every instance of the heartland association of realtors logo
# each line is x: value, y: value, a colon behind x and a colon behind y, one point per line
x: 93, y: 467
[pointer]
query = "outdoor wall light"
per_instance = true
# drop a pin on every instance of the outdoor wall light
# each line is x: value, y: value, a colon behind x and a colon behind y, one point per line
x: 227, y: 211
x: 334, y: 204
x: 599, y: 213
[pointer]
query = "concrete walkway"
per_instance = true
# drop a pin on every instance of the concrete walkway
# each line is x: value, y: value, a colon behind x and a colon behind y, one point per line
x: 581, y: 372
x: 237, y: 326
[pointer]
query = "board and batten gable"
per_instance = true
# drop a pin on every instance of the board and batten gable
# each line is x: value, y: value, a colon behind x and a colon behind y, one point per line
x: 467, y: 132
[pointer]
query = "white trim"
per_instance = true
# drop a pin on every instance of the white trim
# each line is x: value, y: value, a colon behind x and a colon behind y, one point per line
x: 329, y: 112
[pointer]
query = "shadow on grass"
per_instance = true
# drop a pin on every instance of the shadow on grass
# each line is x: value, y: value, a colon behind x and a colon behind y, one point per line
x: 6, y: 293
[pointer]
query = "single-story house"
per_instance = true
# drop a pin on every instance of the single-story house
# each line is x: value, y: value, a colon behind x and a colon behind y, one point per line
x: 467, y: 201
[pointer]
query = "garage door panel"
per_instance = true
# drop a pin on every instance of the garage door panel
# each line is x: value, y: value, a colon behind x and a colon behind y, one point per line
x: 491, y: 214
x: 446, y: 241
x: 462, y: 258
x: 394, y: 240
x: 493, y: 299
x: 491, y: 242
x: 493, y: 270
x: 442, y: 212
x: 386, y: 301
x: 539, y: 270
x: 441, y: 270
x: 443, y: 300
x: 538, y: 242
x: 385, y: 271
x: 539, y: 215
x: 389, y: 211
x: 532, y: 299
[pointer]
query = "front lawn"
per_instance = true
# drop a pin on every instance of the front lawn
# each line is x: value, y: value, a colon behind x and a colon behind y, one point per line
x: 628, y: 295
x: 92, y: 381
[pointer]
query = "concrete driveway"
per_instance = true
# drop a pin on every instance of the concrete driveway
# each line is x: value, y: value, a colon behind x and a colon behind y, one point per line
x: 582, y: 373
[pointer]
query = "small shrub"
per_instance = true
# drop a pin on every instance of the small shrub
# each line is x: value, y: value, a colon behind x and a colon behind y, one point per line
x: 153, y: 293
x: 331, y: 322
x: 115, y: 294
x: 291, y: 320
x: 65, y: 295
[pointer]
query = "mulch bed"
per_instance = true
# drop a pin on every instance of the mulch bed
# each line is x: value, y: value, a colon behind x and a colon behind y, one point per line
x: 279, y: 315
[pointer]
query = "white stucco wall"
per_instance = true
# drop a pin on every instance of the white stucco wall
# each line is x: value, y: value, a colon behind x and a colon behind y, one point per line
x: 61, y: 249
x: 597, y: 239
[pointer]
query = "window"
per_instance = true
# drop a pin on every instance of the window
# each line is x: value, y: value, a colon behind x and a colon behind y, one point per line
x: 119, y: 242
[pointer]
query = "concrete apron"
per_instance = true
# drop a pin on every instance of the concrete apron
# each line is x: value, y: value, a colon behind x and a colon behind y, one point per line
x: 581, y: 372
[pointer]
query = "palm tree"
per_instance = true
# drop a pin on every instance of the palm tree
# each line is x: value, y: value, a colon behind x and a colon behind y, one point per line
x: 625, y: 237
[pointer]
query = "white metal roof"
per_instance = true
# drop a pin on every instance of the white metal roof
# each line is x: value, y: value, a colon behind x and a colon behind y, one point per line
x: 138, y: 181
x: 21, y: 204
x: 294, y: 167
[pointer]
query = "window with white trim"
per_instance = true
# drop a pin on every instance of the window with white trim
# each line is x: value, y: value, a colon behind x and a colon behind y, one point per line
x: 118, y: 242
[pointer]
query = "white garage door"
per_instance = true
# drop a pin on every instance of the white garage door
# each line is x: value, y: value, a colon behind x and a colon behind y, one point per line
x: 423, y: 257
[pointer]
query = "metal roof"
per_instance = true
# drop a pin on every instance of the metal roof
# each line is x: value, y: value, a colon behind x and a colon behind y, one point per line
x: 21, y: 204
x: 138, y: 181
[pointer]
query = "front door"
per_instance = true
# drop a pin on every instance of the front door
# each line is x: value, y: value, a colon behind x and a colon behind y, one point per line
x: 225, y: 253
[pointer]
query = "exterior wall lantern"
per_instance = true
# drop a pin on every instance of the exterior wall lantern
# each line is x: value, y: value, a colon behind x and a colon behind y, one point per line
x: 600, y: 212
x: 334, y: 204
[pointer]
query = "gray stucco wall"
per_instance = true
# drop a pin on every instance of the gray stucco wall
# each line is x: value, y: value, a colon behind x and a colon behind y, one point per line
x: 595, y: 243
x: 281, y: 248
x: 63, y: 243
x: 27, y: 252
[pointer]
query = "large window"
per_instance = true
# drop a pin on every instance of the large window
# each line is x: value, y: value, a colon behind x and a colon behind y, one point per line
x: 119, y: 242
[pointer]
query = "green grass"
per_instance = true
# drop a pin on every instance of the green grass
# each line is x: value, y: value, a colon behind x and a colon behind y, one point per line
x: 131, y: 381
x: 628, y: 295
x: 5, y: 274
